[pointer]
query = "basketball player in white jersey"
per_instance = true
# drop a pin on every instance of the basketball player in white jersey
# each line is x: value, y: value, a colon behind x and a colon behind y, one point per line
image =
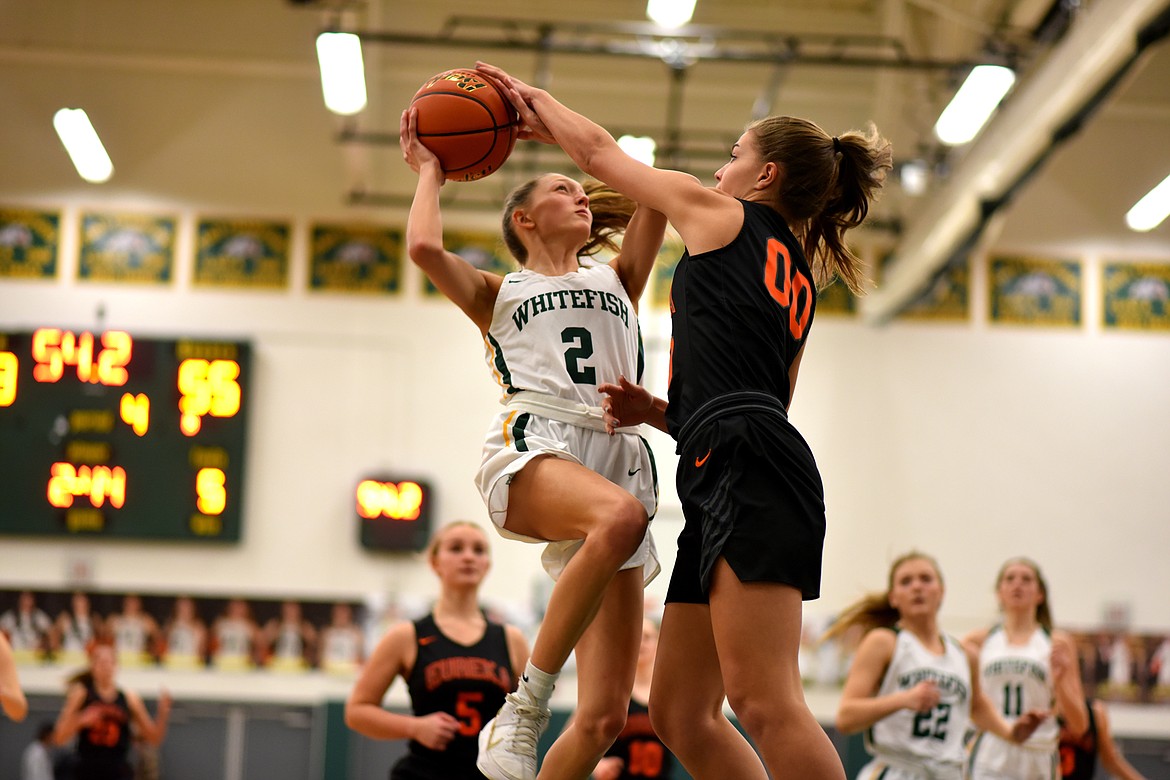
x: 913, y: 689
x: 554, y: 331
x: 1025, y: 664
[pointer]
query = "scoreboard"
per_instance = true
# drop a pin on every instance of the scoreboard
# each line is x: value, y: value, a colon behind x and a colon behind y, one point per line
x: 105, y: 434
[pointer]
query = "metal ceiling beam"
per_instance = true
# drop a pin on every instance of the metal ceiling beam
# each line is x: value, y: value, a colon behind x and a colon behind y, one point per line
x: 1047, y: 107
x: 689, y: 44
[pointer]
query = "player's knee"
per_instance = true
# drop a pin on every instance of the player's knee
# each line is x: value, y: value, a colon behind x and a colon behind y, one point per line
x: 626, y: 524
x: 602, y: 728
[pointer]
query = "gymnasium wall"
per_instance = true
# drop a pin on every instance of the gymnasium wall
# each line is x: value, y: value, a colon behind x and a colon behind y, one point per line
x: 970, y: 440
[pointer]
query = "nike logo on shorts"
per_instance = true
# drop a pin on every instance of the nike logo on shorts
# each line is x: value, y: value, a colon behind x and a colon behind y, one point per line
x: 700, y: 461
x: 632, y: 472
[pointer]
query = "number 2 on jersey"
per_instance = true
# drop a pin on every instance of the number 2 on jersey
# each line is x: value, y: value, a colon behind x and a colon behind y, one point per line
x: 582, y: 349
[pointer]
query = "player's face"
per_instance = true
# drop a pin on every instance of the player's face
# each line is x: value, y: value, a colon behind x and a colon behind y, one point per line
x: 560, y: 202
x: 103, y: 663
x: 462, y: 556
x: 738, y: 175
x: 916, y: 588
x: 1019, y: 587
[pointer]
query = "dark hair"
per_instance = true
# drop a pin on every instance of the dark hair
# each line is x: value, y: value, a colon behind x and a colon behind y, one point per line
x: 874, y: 610
x: 611, y: 214
x: 826, y: 186
x: 1043, y: 611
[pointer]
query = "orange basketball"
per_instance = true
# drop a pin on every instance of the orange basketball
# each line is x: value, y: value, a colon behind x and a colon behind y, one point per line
x: 469, y: 125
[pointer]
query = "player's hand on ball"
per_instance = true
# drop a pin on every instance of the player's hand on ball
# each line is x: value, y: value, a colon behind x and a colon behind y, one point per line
x: 414, y: 153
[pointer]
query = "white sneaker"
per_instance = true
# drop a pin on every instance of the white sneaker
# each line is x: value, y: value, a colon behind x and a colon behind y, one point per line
x: 507, y: 743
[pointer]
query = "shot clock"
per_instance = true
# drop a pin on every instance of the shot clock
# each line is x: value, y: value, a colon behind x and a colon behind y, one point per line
x: 110, y: 435
x: 394, y: 513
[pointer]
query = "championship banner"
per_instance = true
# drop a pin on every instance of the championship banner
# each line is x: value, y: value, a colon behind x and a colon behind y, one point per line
x: 1030, y: 291
x: 836, y: 299
x: 482, y: 250
x: 28, y: 243
x: 663, y: 272
x: 355, y: 259
x: 129, y: 248
x: 241, y: 253
x: 947, y: 300
x: 1136, y: 296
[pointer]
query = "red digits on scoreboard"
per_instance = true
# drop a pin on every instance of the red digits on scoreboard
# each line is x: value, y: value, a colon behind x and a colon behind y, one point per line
x: 53, y: 349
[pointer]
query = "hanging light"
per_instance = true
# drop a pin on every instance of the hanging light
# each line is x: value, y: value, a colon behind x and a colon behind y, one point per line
x: 670, y: 13
x: 1153, y: 207
x: 343, y: 74
x: 83, y: 145
x: 972, y: 105
x: 640, y: 147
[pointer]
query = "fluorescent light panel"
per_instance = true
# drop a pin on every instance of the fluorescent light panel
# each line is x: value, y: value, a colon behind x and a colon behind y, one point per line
x: 972, y: 105
x: 1149, y: 212
x: 83, y: 145
x: 343, y: 74
x: 640, y: 147
x: 670, y: 13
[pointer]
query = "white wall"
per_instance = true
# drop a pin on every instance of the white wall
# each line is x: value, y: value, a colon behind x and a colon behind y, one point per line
x: 974, y: 442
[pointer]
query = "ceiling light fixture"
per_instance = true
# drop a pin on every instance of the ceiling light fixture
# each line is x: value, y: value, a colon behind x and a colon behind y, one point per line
x: 343, y: 74
x: 1153, y: 207
x: 83, y: 145
x: 972, y: 105
x: 640, y: 147
x: 670, y: 13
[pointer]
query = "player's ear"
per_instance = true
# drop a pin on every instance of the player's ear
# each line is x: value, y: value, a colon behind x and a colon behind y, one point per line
x: 769, y: 175
x: 521, y: 218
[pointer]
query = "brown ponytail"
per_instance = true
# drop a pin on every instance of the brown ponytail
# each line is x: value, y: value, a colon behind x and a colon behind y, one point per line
x: 827, y: 183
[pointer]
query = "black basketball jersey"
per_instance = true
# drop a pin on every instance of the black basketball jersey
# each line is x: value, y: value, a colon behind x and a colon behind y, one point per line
x: 469, y: 682
x: 739, y: 316
x: 103, y: 747
x: 1078, y: 755
x: 643, y: 753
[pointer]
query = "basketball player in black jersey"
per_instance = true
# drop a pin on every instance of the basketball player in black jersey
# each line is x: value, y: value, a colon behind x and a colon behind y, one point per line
x: 758, y: 245
x: 457, y: 664
x: 100, y: 715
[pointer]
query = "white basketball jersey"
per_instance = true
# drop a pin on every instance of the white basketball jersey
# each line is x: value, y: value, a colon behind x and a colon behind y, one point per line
x: 925, y: 739
x: 563, y: 335
x: 1018, y: 678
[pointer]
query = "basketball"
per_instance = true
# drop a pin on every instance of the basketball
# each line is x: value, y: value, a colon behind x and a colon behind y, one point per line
x: 468, y: 124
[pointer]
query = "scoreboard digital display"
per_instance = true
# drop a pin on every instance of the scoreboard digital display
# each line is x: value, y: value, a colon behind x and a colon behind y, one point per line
x: 103, y: 434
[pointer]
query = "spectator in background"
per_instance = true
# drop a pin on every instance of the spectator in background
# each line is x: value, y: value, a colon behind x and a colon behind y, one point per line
x: 12, y: 699
x: 36, y: 762
x: 289, y: 641
x: 134, y: 631
x: 234, y: 637
x: 341, y: 641
x: 75, y: 630
x: 28, y: 628
x: 184, y: 637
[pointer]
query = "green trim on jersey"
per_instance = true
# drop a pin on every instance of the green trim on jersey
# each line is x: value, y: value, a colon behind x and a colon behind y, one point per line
x: 501, y: 365
x: 518, y: 432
